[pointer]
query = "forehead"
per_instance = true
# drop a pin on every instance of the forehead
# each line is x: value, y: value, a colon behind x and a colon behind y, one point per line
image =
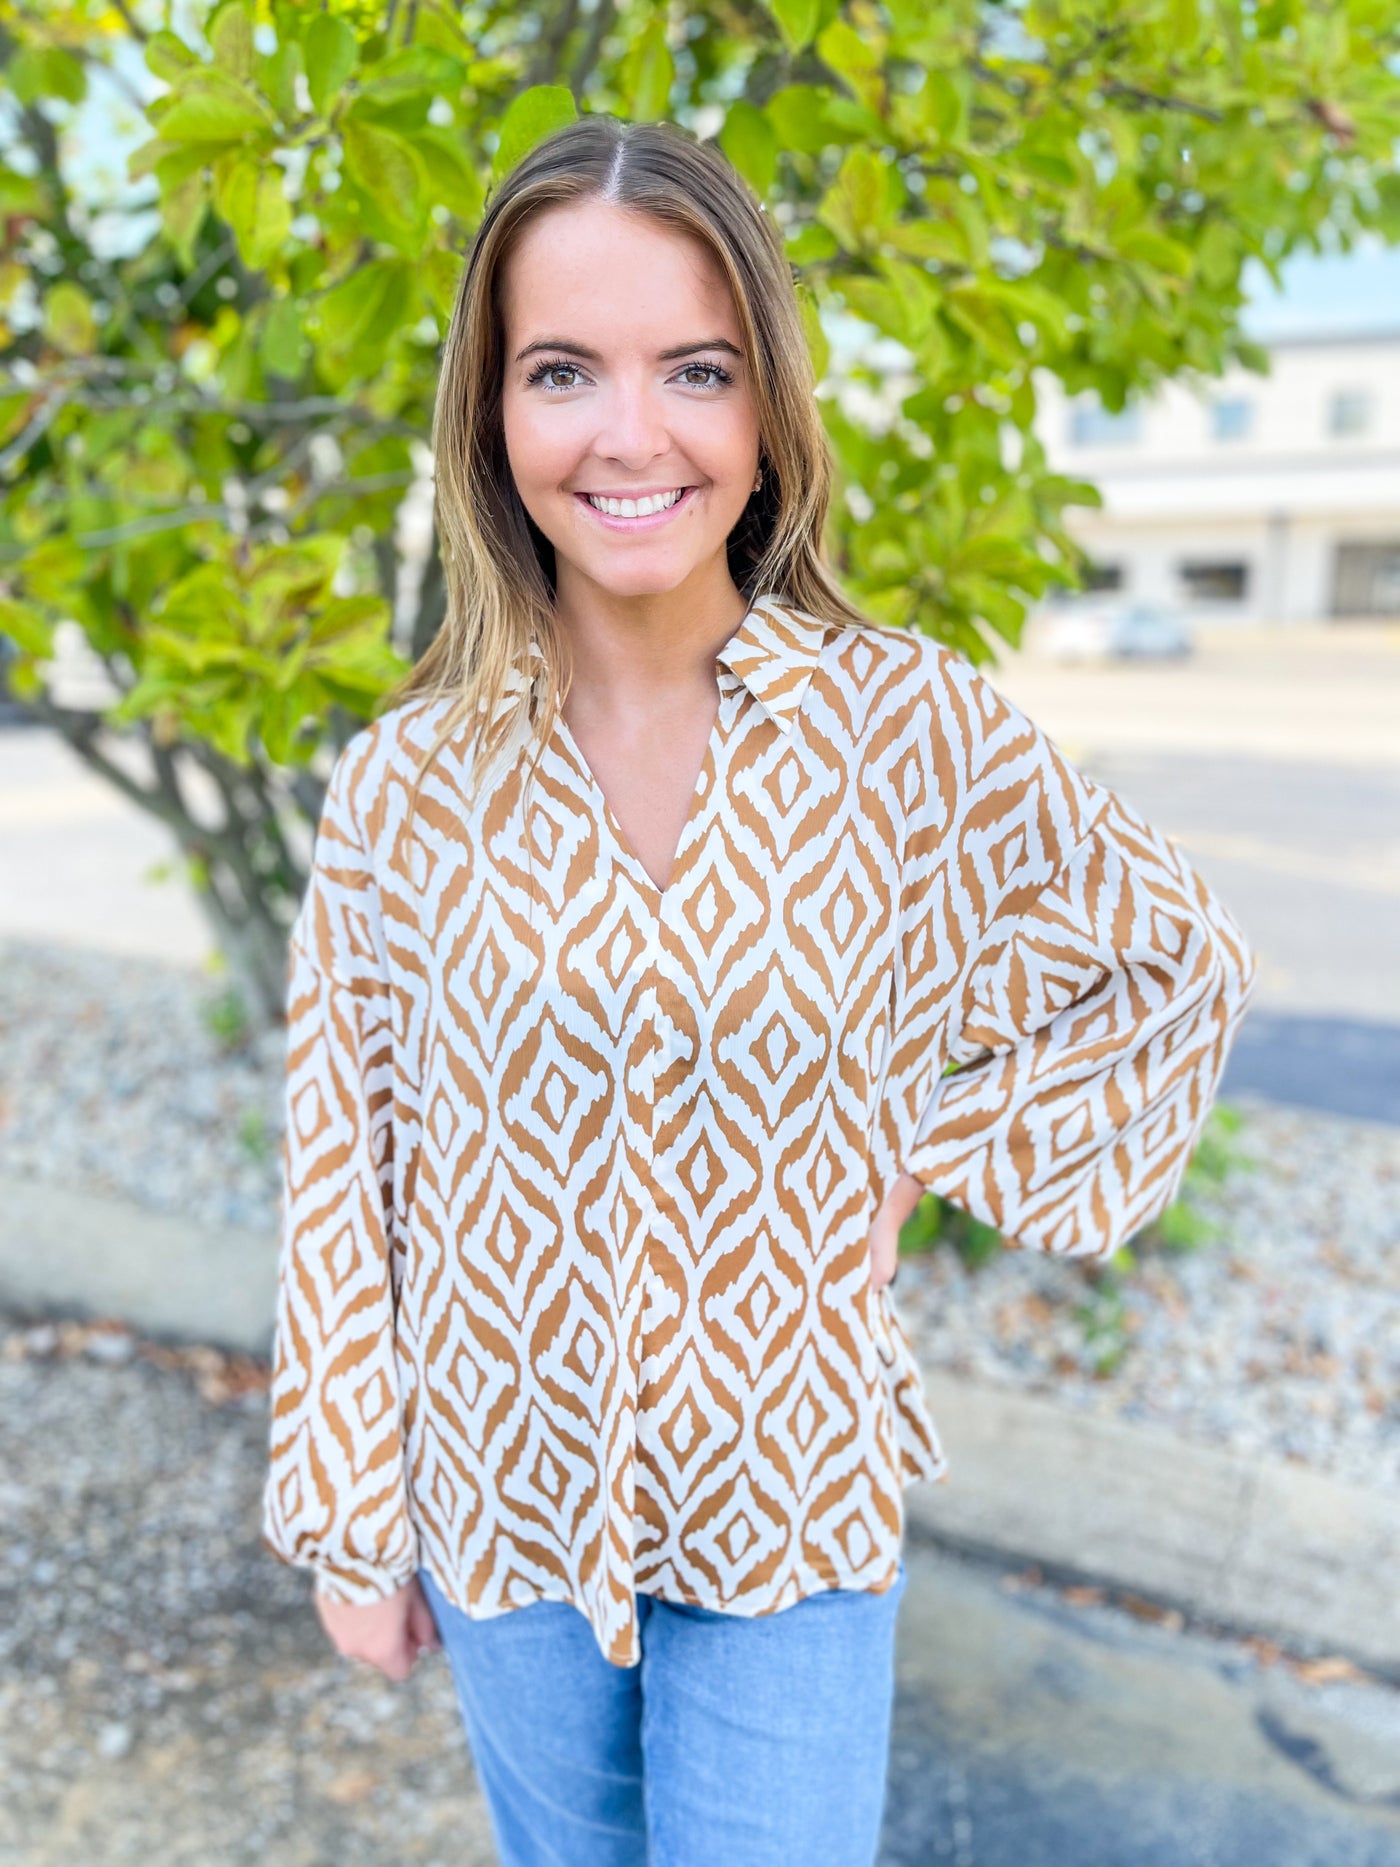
x: 590, y: 264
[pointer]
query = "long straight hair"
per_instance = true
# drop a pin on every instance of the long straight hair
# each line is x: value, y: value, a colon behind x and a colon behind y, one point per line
x: 498, y: 567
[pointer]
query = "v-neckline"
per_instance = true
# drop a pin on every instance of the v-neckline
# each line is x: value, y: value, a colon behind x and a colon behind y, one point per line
x: 622, y: 849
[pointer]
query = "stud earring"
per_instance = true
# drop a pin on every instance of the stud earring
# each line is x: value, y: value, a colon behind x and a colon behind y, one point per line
x: 758, y: 482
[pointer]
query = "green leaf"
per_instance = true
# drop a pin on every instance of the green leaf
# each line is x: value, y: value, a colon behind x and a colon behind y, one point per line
x: 947, y: 98
x: 182, y: 206
x: 451, y: 175
x: 859, y: 205
x: 45, y: 72
x: 211, y: 107
x: 985, y: 321
x: 648, y: 71
x: 1055, y: 170
x: 63, y: 76
x: 817, y: 345
x: 944, y: 240
x: 1183, y: 24
x: 25, y: 681
x: 532, y: 116
x: 365, y: 306
x: 810, y: 244
x: 751, y: 144
x: 974, y: 225
x: 277, y: 75
x: 1218, y: 256
x: 854, y: 58
x: 1027, y: 300
x: 230, y: 33
x: 171, y: 161
x: 250, y: 199
x: 26, y: 626
x: 14, y: 413
x: 797, y: 21
x: 934, y: 353
x: 20, y: 194
x: 799, y: 117
x: 441, y: 273
x: 851, y: 121
x: 413, y: 76
x: 991, y: 601
x: 386, y: 166
x: 54, y: 570
x: 331, y: 53
x: 1062, y: 491
x: 168, y: 57
x: 349, y: 615
x: 917, y: 293
x: 1157, y: 250
x: 69, y: 323
x: 283, y: 346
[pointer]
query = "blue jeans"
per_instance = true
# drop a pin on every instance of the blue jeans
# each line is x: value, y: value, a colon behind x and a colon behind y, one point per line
x: 758, y: 1741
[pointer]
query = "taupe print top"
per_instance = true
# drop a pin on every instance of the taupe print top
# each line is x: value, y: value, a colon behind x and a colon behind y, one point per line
x: 574, y: 1292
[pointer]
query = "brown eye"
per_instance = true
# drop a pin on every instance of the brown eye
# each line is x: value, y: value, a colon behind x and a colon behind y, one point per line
x: 720, y: 375
x: 550, y: 367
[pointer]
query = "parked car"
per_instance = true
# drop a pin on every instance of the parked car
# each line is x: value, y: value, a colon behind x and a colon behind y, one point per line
x: 1091, y: 630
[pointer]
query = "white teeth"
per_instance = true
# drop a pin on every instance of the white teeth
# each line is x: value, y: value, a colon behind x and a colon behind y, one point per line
x: 635, y: 508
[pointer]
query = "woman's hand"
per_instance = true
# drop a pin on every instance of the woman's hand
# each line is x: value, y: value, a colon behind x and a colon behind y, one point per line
x: 899, y: 1203
x: 388, y: 1634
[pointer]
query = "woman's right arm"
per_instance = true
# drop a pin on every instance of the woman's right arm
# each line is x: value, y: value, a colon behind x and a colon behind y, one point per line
x: 335, y: 1498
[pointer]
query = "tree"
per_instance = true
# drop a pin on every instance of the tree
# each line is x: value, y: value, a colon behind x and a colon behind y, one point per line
x: 206, y: 440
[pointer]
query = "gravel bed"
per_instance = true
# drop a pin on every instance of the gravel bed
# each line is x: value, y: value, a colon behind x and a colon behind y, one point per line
x: 1281, y: 1335
x: 112, y: 1079
x: 166, y: 1692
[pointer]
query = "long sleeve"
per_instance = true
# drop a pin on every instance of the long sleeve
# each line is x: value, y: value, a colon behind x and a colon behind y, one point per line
x: 1090, y: 1035
x: 335, y: 1496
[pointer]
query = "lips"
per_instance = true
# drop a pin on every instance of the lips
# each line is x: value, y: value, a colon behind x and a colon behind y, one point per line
x: 650, y: 521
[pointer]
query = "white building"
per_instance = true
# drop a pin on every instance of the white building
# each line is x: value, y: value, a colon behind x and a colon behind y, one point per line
x: 1269, y: 498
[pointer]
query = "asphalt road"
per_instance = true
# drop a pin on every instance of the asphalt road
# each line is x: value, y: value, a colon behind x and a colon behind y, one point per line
x: 1033, y: 1729
x: 1307, y: 858
x: 1274, y: 757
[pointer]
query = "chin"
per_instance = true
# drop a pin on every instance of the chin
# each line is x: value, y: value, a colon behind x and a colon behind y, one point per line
x: 657, y: 578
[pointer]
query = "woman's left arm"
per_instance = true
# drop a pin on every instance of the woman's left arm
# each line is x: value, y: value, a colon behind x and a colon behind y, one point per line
x: 1091, y: 1035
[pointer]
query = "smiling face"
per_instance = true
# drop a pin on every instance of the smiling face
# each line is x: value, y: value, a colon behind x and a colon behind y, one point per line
x: 624, y: 379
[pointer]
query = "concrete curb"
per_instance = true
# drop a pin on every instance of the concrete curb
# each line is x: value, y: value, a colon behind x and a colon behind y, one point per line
x: 90, y: 1255
x: 1253, y: 1545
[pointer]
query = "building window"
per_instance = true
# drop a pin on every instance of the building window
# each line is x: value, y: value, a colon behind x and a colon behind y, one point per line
x: 1366, y: 579
x: 1103, y: 577
x: 1231, y: 418
x: 1092, y: 425
x: 1215, y: 583
x: 1350, y: 412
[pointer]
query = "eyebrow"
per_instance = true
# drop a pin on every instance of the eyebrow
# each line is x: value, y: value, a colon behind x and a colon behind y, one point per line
x: 663, y: 356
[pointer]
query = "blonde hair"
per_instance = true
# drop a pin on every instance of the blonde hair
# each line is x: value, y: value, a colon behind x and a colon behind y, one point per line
x: 497, y: 565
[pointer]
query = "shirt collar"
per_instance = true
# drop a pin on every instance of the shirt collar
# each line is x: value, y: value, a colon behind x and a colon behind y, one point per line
x: 774, y: 652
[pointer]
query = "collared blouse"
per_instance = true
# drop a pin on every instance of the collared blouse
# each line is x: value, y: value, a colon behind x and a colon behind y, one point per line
x: 579, y: 1173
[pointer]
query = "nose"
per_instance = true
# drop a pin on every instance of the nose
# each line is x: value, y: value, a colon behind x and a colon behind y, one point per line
x: 632, y: 429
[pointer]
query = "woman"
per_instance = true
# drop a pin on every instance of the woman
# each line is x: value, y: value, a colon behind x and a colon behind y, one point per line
x: 645, y: 924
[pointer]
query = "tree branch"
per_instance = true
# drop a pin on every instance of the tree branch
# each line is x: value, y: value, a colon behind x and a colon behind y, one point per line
x: 549, y: 48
